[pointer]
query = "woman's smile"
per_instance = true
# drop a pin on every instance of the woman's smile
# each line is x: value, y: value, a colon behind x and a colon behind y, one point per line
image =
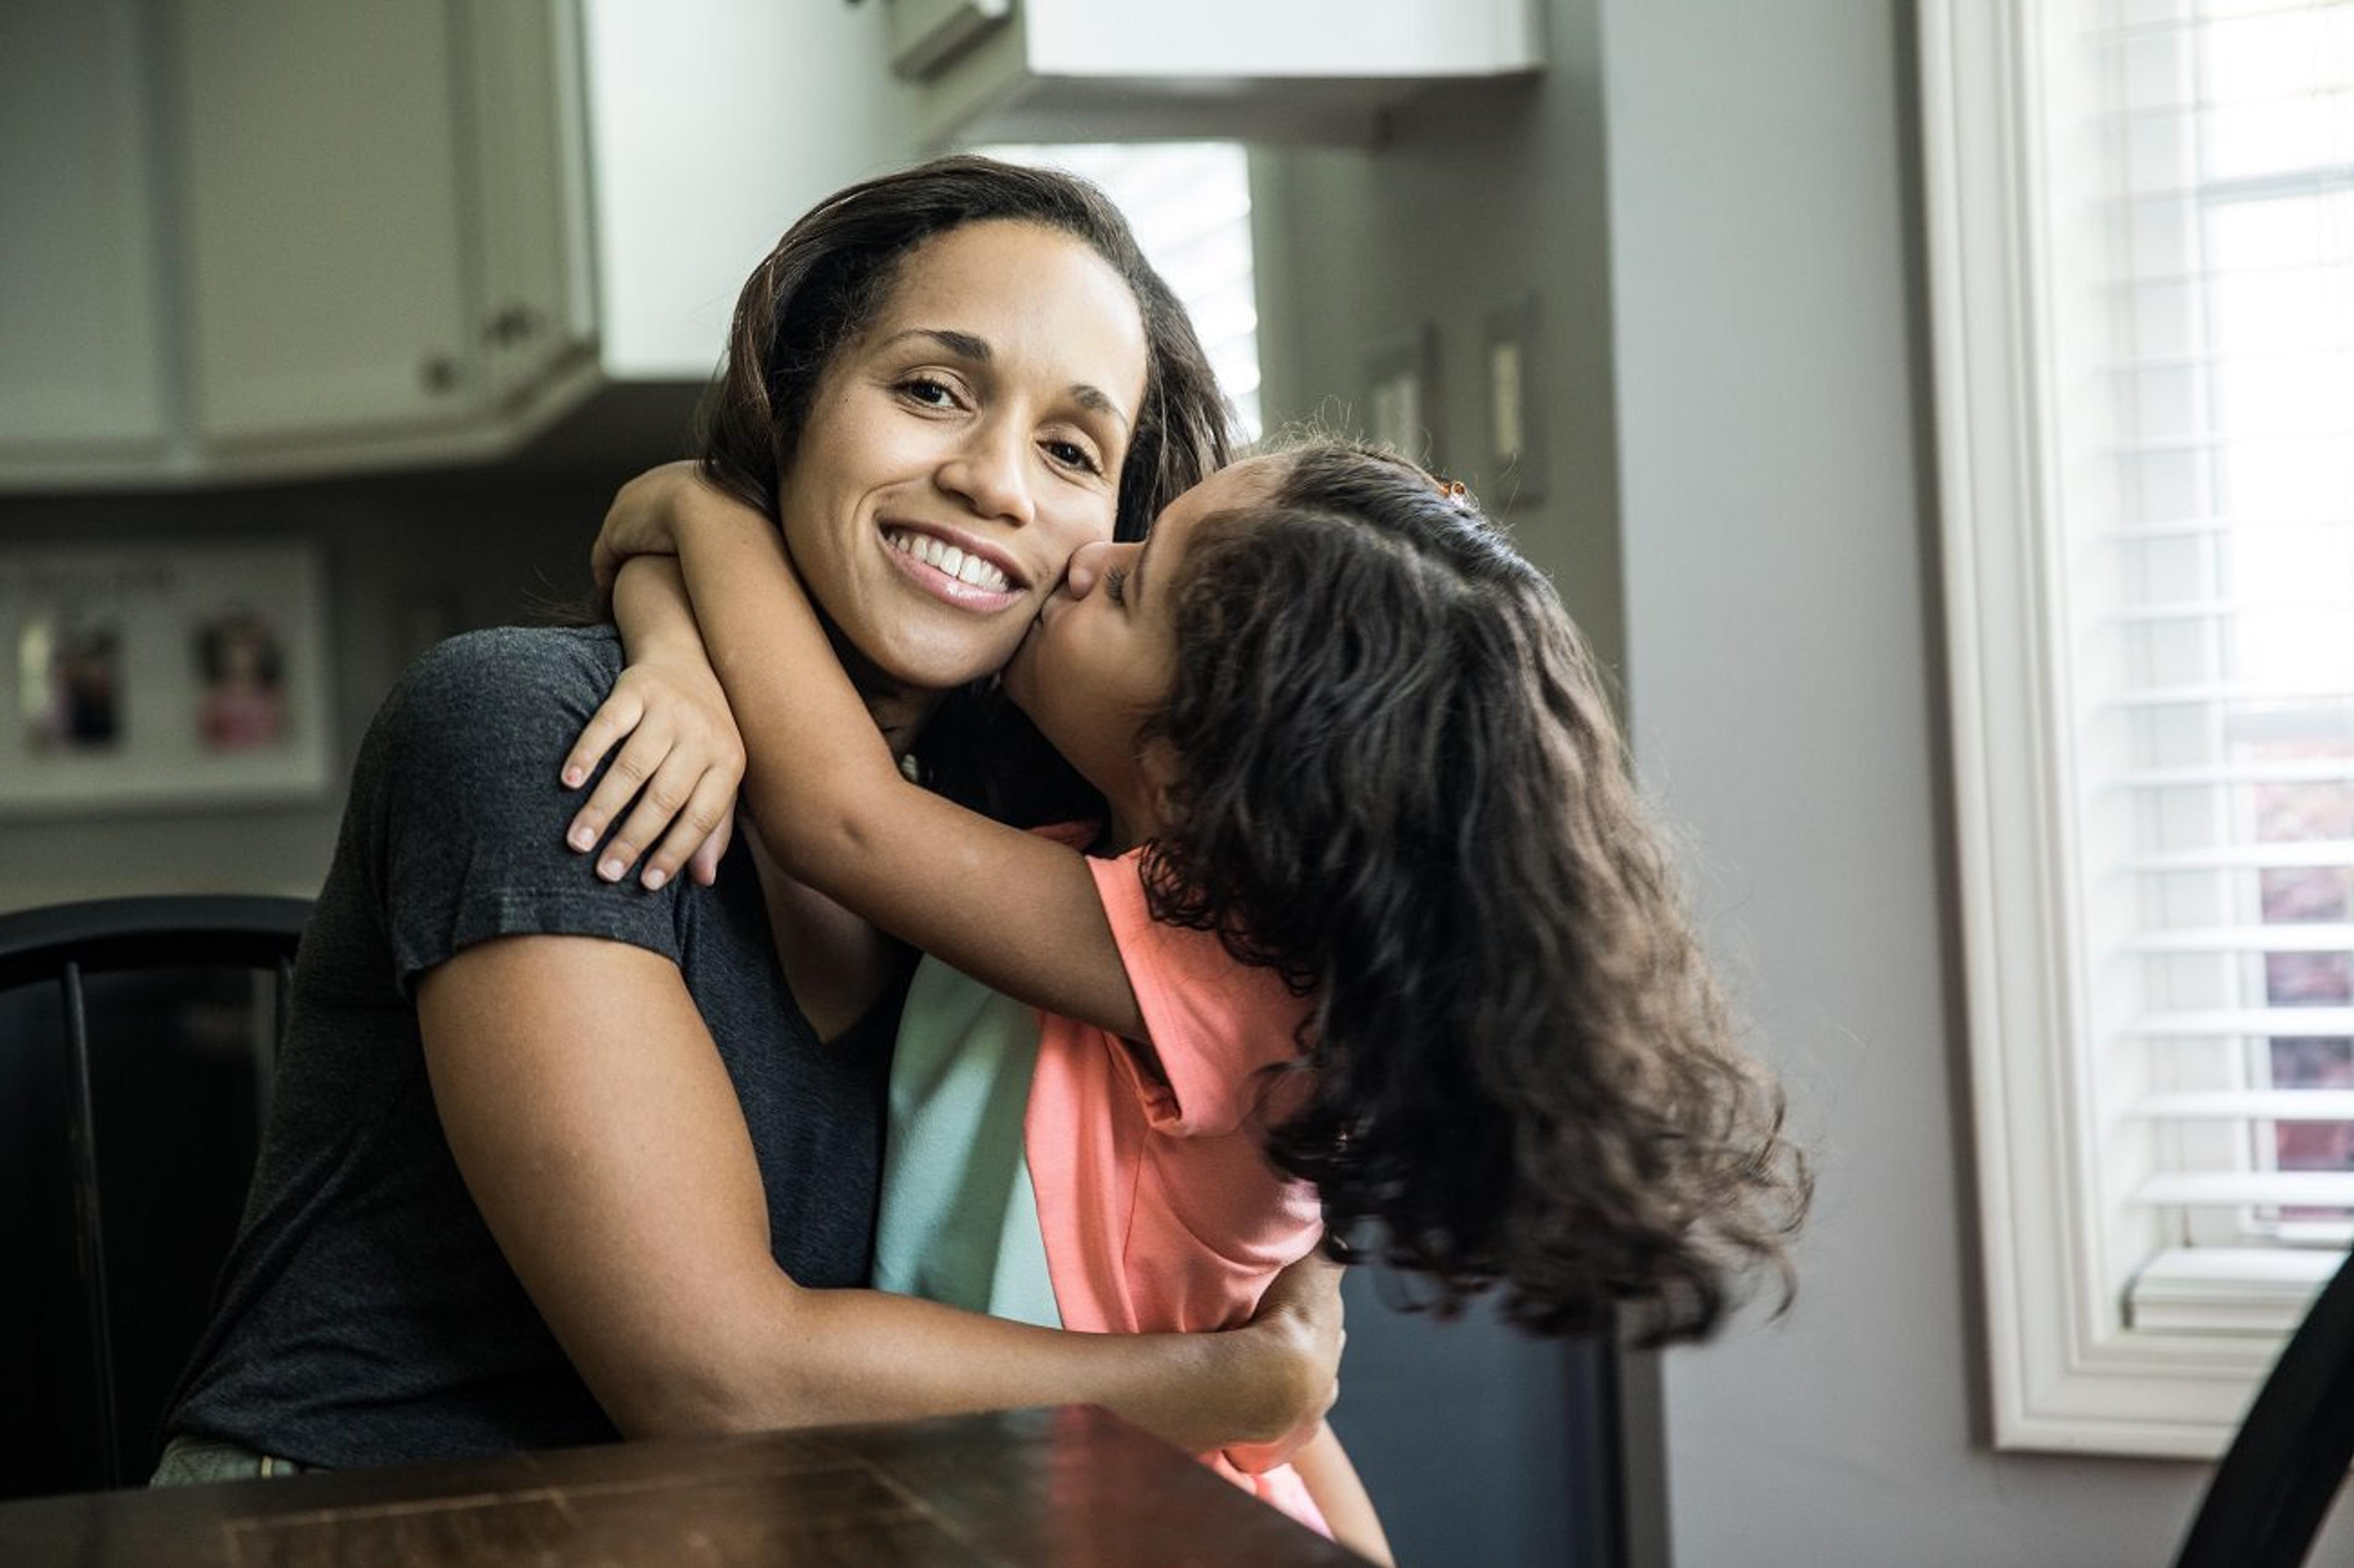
x: 956, y: 568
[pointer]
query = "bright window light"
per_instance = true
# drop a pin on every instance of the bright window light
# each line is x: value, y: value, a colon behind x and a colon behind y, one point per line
x: 1189, y: 203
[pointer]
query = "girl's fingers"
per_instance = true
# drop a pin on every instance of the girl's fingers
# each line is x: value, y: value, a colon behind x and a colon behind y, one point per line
x: 643, y: 753
x: 704, y: 866
x: 668, y: 789
x: 708, y: 805
x: 615, y: 717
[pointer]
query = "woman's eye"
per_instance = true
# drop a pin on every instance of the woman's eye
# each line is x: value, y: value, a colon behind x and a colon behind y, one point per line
x: 1070, y: 454
x: 1116, y: 584
x: 931, y: 393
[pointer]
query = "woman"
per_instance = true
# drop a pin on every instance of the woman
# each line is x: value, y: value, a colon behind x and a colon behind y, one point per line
x: 553, y: 1157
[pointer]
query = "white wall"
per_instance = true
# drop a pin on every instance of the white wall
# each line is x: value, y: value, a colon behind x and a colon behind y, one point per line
x: 1787, y: 702
x: 1716, y: 201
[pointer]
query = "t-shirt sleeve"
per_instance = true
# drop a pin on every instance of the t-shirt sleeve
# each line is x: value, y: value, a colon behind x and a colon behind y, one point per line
x: 458, y: 793
x: 1215, y: 1022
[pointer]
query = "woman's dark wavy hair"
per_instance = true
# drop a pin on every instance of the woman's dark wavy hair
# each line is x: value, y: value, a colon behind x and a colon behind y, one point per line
x: 823, y: 285
x: 1399, y: 783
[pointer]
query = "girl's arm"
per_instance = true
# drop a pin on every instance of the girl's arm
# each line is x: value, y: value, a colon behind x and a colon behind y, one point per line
x: 1015, y: 911
x: 600, y: 1135
x: 1341, y: 1496
x: 682, y: 758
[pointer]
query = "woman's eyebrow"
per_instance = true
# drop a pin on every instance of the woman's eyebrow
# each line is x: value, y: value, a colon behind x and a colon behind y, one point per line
x: 963, y: 344
x: 977, y: 351
x: 1095, y: 400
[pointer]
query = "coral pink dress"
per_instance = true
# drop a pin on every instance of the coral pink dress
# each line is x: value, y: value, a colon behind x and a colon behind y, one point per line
x: 1158, y: 1208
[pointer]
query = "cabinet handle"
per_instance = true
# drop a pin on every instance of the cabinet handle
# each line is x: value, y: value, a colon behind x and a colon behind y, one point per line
x: 511, y: 325
x: 439, y: 373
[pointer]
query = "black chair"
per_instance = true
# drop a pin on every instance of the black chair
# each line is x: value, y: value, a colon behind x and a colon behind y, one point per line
x: 154, y: 1118
x: 2275, y: 1485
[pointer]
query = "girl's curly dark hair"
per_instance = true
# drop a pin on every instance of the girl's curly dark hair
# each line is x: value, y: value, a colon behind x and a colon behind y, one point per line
x: 1400, y: 784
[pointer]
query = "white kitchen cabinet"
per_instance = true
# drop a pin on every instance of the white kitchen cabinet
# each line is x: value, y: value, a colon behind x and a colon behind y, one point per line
x: 249, y: 239
x: 265, y: 239
x: 380, y: 236
x: 1028, y: 71
x: 325, y: 276
x: 535, y: 308
x: 82, y: 363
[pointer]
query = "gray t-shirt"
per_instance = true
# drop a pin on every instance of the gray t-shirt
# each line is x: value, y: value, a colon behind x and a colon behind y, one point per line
x: 365, y: 1315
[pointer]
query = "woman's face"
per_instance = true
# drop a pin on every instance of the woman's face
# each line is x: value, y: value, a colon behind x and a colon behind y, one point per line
x: 960, y: 448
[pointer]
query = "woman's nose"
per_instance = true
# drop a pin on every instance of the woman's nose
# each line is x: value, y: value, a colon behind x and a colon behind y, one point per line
x: 988, y: 473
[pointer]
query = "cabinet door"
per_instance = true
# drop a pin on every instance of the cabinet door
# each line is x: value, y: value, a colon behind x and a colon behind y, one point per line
x: 529, y: 189
x: 326, y: 277
x: 81, y: 362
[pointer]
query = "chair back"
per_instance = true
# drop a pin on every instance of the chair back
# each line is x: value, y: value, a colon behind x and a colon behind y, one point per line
x: 2274, y: 1487
x: 151, y: 1119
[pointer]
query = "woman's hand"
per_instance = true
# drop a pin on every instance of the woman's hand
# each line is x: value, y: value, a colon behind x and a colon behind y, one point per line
x: 1300, y: 1334
x: 681, y: 758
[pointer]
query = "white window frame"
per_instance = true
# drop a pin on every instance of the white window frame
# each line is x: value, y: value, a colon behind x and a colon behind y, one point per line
x: 2068, y: 1371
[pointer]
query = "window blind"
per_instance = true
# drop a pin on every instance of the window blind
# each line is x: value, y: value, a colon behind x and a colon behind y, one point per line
x: 2202, y: 277
x: 1189, y: 203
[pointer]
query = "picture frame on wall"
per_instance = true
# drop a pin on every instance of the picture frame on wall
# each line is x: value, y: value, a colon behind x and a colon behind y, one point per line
x: 1402, y: 394
x: 163, y: 675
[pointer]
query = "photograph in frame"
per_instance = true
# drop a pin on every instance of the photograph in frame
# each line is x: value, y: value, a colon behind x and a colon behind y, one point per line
x: 142, y: 675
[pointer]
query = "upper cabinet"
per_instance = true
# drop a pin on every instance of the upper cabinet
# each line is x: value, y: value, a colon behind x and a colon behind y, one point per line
x: 384, y: 227
x: 1129, y: 69
x: 82, y: 363
x: 535, y: 308
x: 327, y: 286
x: 264, y: 238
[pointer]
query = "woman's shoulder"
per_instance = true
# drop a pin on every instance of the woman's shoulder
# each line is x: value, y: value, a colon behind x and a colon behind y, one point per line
x: 536, y: 658
x: 498, y: 691
x: 500, y: 665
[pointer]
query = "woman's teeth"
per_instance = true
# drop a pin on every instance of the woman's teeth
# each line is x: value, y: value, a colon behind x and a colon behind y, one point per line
x: 967, y: 569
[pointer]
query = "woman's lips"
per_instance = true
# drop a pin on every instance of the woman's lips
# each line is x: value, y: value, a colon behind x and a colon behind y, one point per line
x: 953, y: 574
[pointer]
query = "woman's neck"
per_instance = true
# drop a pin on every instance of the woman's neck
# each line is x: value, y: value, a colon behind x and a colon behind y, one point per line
x: 900, y: 715
x: 898, y: 711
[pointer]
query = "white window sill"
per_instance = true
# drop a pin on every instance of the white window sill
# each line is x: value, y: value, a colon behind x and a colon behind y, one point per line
x: 2262, y: 1291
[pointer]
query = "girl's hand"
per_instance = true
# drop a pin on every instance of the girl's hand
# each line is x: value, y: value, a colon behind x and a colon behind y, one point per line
x: 643, y: 518
x: 680, y: 761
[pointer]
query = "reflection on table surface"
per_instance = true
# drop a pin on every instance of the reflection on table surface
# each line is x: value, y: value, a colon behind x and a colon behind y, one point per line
x: 1069, y: 1486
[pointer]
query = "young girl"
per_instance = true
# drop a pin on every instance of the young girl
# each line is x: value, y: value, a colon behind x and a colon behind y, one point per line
x: 1374, y: 943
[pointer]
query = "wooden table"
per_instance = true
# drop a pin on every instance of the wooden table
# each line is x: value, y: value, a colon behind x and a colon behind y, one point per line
x: 1070, y: 1486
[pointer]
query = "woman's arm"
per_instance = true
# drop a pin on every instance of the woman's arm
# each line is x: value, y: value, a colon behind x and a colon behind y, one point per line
x: 1324, y: 1468
x: 1015, y: 911
x: 598, y: 1133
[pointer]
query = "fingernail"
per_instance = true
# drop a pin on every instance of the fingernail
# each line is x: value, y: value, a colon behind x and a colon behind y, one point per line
x: 655, y: 879
x: 611, y: 870
x: 584, y: 838
x: 572, y: 776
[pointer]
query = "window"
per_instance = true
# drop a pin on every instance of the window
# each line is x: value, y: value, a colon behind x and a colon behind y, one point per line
x: 1189, y: 203
x: 2142, y: 268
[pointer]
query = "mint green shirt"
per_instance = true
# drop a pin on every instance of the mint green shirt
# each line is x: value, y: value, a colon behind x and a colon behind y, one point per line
x: 960, y: 1221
